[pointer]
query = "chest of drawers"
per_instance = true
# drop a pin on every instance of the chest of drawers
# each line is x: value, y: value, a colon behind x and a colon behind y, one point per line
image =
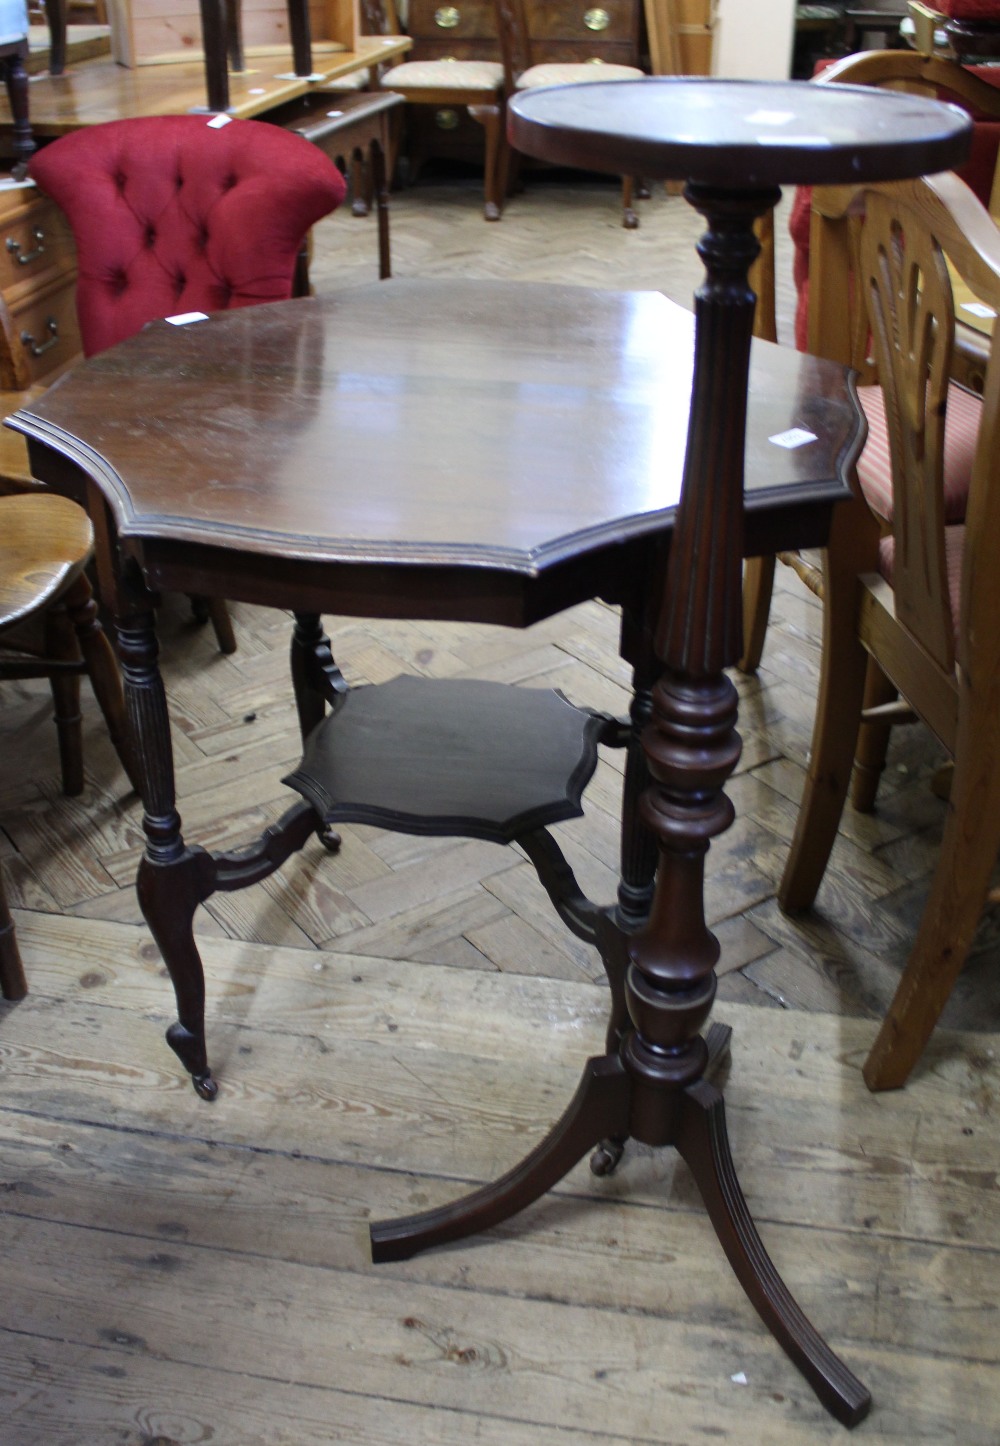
x: 37, y: 290
x: 560, y: 30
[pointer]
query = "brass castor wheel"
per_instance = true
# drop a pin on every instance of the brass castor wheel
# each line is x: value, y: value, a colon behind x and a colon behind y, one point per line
x: 605, y: 1158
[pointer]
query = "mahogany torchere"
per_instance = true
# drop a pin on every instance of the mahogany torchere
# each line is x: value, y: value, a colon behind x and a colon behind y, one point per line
x: 498, y: 452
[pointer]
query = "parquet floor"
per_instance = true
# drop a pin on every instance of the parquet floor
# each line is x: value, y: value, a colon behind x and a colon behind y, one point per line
x: 179, y: 1273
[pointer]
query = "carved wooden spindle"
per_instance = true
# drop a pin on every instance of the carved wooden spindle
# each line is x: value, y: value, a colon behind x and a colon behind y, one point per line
x: 691, y: 742
x: 638, y: 849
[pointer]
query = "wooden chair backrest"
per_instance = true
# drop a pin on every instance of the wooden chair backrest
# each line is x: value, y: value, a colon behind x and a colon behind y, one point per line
x: 378, y: 17
x: 914, y: 72
x: 515, y: 42
x: 906, y: 70
x: 887, y: 247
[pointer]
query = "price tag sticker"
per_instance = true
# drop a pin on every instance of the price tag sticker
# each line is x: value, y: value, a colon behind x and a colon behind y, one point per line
x: 771, y: 117
x: 186, y: 317
x: 794, y: 437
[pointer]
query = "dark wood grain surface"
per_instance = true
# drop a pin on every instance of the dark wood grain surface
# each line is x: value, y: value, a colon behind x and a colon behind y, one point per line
x: 742, y: 134
x: 470, y: 425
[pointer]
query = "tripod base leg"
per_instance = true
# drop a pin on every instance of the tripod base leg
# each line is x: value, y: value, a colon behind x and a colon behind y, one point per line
x: 703, y: 1141
x: 600, y: 1107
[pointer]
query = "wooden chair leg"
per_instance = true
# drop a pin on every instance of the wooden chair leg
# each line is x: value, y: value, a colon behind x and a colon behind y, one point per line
x: 629, y: 218
x: 222, y: 623
x: 380, y: 189
x: 214, y: 610
x: 13, y: 984
x: 361, y: 183
x: 958, y: 893
x: 758, y: 584
x: 102, y: 669
x: 838, y: 709
x: 61, y: 645
x: 490, y: 117
x: 873, y: 741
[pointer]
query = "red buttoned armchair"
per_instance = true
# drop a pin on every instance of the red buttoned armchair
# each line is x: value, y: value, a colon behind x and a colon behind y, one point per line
x: 173, y: 214
x: 178, y: 214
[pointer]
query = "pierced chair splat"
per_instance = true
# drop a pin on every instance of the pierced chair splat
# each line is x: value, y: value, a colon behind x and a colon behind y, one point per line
x: 476, y: 86
x: 521, y: 74
x: 907, y: 586
x: 819, y: 319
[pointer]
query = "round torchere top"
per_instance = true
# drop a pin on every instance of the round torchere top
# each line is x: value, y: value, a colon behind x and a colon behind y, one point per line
x: 739, y: 134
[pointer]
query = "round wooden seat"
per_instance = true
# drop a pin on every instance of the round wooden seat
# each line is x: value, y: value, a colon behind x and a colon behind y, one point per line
x: 45, y: 542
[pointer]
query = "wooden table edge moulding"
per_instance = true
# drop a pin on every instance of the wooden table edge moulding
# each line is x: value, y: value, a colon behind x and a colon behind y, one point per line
x: 676, y: 570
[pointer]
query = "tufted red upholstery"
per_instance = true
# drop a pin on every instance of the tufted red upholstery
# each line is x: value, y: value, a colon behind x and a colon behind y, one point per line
x: 172, y: 215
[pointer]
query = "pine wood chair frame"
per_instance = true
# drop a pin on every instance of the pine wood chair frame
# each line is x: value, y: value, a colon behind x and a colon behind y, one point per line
x: 892, y: 69
x: 947, y: 667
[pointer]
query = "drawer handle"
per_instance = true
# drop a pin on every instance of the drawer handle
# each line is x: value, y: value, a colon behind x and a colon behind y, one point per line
x: 26, y: 257
x: 446, y: 120
x: 39, y: 348
x: 447, y: 17
x: 596, y: 19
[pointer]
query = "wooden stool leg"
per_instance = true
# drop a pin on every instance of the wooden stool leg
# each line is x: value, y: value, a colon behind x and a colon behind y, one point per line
x: 102, y: 669
x: 13, y: 984
x: 55, y: 14
x: 758, y: 583
x: 61, y: 646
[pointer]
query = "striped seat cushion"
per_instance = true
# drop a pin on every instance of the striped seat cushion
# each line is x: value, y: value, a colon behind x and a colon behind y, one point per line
x: 960, y: 431
x: 444, y: 74
x: 356, y: 80
x: 571, y: 73
x: 954, y: 553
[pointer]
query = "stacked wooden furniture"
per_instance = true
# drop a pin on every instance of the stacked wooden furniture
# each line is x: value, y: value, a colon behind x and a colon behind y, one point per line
x: 560, y: 30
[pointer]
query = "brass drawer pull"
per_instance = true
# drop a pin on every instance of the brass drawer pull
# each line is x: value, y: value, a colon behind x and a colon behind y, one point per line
x: 596, y: 19
x: 26, y: 257
x: 446, y: 120
x: 39, y: 348
x: 447, y: 17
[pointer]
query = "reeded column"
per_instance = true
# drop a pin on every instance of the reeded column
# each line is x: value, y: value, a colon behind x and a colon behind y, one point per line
x: 691, y: 743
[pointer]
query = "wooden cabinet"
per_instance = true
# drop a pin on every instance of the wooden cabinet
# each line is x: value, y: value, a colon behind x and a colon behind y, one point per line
x: 559, y: 30
x: 37, y: 290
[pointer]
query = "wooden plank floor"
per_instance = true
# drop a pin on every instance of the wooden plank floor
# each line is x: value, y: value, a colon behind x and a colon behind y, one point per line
x: 403, y: 1021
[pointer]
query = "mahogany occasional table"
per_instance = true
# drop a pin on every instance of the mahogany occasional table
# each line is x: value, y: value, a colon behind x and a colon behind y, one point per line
x: 498, y: 452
